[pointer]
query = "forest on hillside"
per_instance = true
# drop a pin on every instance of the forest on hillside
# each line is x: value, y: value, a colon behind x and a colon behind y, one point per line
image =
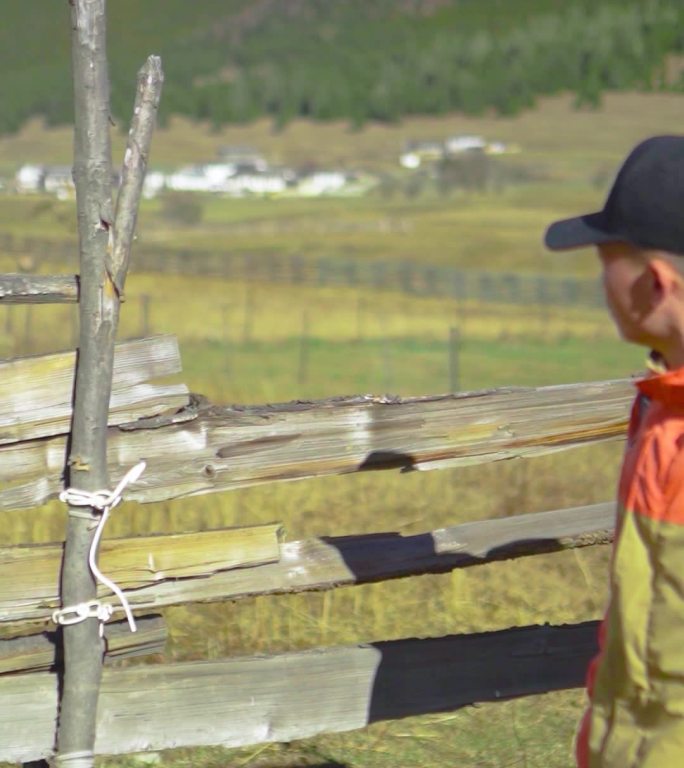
x: 231, y: 61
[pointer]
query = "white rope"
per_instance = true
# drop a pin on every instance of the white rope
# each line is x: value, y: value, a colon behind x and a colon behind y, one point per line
x: 82, y: 759
x: 104, y: 501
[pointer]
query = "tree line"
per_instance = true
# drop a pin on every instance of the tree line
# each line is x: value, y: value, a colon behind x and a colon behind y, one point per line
x: 232, y: 61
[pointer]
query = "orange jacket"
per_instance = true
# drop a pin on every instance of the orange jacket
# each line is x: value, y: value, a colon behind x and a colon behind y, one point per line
x: 636, y: 683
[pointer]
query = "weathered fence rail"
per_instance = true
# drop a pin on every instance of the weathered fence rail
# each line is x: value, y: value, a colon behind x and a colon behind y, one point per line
x: 204, y: 448
x: 42, y: 652
x: 286, y: 696
x: 36, y: 393
x: 251, y: 700
x: 158, y: 571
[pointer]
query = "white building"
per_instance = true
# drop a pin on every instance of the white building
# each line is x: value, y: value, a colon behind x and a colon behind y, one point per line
x: 29, y: 178
x: 321, y: 183
x: 417, y: 152
x: 454, y: 145
x: 200, y: 178
x: 59, y: 181
x: 256, y: 183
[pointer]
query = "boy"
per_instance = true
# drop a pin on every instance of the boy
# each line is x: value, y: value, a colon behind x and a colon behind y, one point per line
x: 636, y: 683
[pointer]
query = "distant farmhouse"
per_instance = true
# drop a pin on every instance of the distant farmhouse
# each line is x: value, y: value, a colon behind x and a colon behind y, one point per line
x: 417, y: 153
x: 56, y: 180
x: 240, y: 172
x: 30, y: 178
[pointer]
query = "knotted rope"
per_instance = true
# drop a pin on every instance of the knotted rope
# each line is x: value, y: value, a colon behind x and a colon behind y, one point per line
x: 103, y: 501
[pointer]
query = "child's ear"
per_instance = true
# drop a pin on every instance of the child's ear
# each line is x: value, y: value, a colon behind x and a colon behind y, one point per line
x: 665, y: 279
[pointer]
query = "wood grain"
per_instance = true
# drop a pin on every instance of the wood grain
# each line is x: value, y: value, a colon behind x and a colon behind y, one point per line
x: 41, y: 652
x: 36, y: 393
x: 318, y: 564
x: 252, y: 700
x: 205, y: 448
x: 38, y: 289
x: 29, y: 575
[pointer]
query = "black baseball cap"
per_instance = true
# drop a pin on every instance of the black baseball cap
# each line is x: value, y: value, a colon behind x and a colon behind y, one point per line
x: 645, y: 206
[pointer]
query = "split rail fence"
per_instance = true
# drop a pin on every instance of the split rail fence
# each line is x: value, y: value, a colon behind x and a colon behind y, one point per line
x: 81, y: 419
x: 193, y: 447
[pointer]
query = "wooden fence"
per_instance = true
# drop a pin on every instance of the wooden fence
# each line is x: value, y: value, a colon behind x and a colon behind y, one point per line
x: 81, y: 419
x: 193, y: 447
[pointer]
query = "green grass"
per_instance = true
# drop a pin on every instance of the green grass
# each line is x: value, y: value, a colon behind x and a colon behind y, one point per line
x: 559, y: 588
x: 315, y: 368
x: 244, y: 343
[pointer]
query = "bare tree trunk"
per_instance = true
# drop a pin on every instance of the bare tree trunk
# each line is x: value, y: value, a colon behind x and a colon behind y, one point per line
x: 98, y: 313
x: 103, y: 263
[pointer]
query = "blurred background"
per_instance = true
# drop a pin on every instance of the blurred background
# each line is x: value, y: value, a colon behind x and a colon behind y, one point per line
x: 349, y: 197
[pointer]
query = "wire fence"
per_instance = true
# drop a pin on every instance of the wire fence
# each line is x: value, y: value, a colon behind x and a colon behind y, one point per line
x: 407, y: 277
x: 435, y: 329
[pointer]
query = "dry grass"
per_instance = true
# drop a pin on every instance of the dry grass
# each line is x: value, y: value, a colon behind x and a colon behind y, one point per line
x: 230, y: 329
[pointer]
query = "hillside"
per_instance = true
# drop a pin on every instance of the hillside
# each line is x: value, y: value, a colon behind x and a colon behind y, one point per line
x: 231, y: 61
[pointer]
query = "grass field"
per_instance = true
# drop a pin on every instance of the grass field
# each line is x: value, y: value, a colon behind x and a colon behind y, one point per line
x: 257, y: 343
x: 569, y: 156
x: 242, y: 343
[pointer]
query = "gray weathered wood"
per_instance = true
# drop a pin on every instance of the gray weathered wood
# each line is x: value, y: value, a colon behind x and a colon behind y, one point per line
x: 290, y: 696
x: 318, y: 564
x: 41, y: 652
x: 29, y: 574
x: 98, y: 313
x: 206, y: 449
x: 148, y: 94
x: 104, y: 244
x: 36, y: 393
x: 321, y: 564
x: 38, y: 289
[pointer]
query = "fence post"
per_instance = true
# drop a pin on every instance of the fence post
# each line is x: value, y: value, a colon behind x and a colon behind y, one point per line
x: 104, y: 245
x: 303, y: 369
x: 73, y: 322
x: 360, y: 316
x: 86, y: 466
x: 247, y: 315
x: 28, y: 329
x: 225, y: 310
x: 9, y: 325
x: 145, y: 315
x: 454, y: 362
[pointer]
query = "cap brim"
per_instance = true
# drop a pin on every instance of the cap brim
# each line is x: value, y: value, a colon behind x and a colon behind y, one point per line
x: 579, y: 232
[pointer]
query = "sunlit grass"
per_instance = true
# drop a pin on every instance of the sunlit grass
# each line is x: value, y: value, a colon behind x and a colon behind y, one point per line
x: 258, y: 343
x: 245, y: 342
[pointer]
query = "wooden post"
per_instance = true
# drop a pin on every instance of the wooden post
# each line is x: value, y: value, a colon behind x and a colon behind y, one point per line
x: 28, y: 329
x: 225, y: 312
x: 386, y: 358
x: 83, y: 648
x: 248, y: 312
x: 303, y: 368
x: 360, y: 314
x: 104, y: 246
x: 144, y: 315
x: 454, y: 367
x: 73, y: 320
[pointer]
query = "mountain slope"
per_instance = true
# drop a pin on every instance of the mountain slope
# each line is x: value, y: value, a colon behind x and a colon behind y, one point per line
x: 230, y: 61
